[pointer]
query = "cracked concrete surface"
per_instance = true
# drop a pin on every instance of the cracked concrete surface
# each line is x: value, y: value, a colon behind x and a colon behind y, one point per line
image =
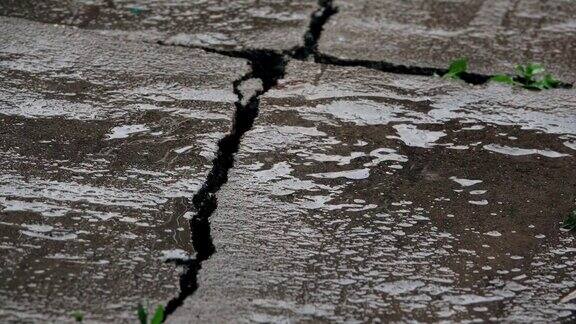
x: 99, y: 145
x: 299, y: 192
x: 267, y: 24
x: 361, y: 196
x: 495, y: 35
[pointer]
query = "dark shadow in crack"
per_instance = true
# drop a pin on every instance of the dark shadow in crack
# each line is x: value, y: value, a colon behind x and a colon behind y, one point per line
x: 317, y: 21
x: 268, y: 67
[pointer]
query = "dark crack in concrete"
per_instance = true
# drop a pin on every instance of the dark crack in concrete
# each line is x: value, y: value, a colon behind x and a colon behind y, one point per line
x: 267, y: 69
x: 362, y: 196
x: 268, y: 53
x: 494, y: 35
x: 100, y: 143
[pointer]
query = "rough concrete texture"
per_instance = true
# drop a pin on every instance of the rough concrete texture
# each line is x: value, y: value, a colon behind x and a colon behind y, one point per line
x: 269, y: 24
x: 357, y: 196
x: 364, y: 196
x: 101, y: 141
x: 494, y: 35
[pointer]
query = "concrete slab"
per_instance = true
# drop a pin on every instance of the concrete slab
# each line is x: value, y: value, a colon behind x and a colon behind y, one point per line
x: 364, y: 196
x: 100, y: 141
x: 269, y: 24
x: 495, y: 35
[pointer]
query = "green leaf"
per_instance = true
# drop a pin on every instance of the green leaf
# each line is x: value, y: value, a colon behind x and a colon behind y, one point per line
x: 534, y: 85
x: 529, y: 78
x: 135, y: 11
x: 78, y: 316
x: 158, y: 315
x: 503, y: 79
x: 550, y: 82
x: 142, y: 314
x: 570, y: 221
x: 532, y: 70
x: 456, y: 68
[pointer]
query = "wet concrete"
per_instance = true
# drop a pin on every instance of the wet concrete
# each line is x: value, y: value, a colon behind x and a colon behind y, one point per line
x: 270, y: 24
x: 495, y: 35
x: 357, y: 195
x: 364, y: 196
x: 102, y: 141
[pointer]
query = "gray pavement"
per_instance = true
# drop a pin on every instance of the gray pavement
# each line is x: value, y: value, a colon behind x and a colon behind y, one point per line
x: 494, y: 35
x: 356, y: 196
x: 362, y: 196
x: 100, y: 142
x: 269, y: 24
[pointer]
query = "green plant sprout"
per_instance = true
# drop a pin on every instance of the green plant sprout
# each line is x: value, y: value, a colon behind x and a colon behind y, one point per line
x: 531, y: 76
x: 156, y: 319
x: 570, y: 221
x: 456, y: 68
x: 135, y: 11
x: 78, y: 316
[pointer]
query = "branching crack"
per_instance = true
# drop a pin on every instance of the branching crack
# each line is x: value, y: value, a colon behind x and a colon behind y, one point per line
x: 310, y: 51
x: 317, y: 21
x: 268, y: 67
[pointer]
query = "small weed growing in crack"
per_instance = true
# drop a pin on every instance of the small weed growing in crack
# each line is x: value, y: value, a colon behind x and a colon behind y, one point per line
x: 78, y: 316
x: 156, y: 319
x: 570, y: 221
x: 135, y: 11
x: 531, y: 76
x: 456, y: 68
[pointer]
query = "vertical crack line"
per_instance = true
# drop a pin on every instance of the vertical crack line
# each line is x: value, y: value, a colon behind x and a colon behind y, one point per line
x: 318, y: 19
x: 268, y: 67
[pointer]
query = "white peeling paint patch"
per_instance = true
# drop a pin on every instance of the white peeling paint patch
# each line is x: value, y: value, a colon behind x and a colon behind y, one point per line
x: 361, y: 112
x: 385, y: 154
x: 183, y: 149
x: 103, y: 216
x: 399, y: 287
x: 471, y: 299
x: 571, y: 145
x: 516, y: 151
x: 478, y: 202
x: 458, y: 147
x: 38, y: 228
x: 174, y: 254
x: 200, y: 39
x: 125, y: 131
x: 39, y: 207
x: 474, y: 127
x: 61, y: 256
x: 249, y: 89
x: 493, y: 233
x: 415, y: 137
x: 569, y: 297
x: 52, y: 237
x: 351, y: 174
x: 340, y: 159
x: 163, y: 92
x: 465, y: 182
